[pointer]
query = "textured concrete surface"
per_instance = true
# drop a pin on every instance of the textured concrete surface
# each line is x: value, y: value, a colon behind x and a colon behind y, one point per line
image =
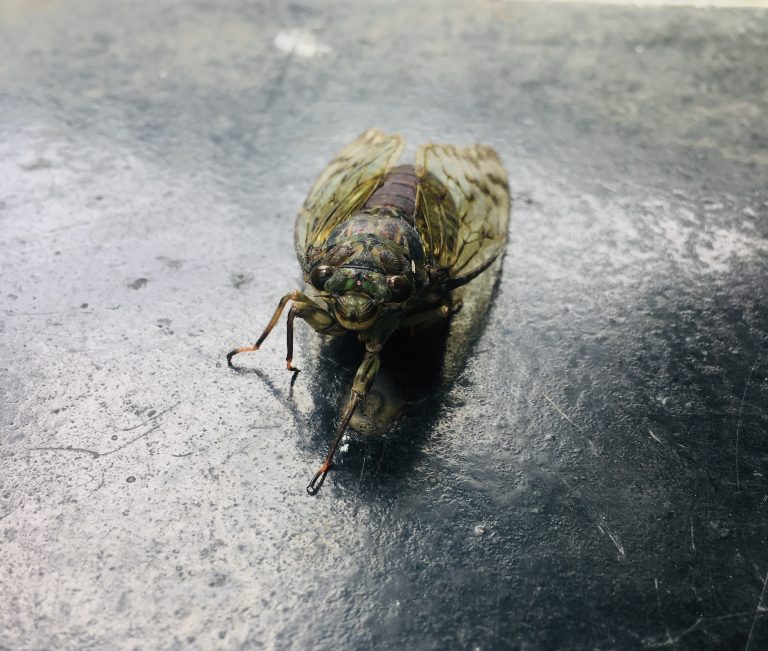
x: 582, y: 467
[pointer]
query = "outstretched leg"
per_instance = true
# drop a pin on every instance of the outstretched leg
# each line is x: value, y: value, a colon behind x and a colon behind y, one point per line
x: 364, y: 377
x: 303, y: 306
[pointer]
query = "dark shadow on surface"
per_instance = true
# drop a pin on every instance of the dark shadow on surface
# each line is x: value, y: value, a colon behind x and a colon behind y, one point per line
x: 282, y: 395
x: 409, y: 396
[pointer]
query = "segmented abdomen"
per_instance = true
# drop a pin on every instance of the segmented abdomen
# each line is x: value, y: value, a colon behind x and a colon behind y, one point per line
x: 397, y: 191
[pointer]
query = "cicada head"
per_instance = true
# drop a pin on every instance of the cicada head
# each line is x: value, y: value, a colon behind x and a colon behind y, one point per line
x: 358, y: 295
x: 368, y: 278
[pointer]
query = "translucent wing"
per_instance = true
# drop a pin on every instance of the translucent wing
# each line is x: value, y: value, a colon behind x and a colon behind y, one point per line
x: 343, y: 187
x: 464, y: 204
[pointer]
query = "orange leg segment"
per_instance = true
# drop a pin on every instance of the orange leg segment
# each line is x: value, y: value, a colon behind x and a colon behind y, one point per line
x: 304, y: 302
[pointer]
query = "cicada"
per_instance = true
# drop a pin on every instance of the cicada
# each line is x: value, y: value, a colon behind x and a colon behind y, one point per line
x: 382, y: 246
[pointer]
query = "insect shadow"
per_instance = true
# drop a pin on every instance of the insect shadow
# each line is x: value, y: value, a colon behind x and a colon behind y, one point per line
x: 410, y: 395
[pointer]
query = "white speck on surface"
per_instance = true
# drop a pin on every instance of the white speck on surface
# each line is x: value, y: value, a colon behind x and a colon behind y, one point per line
x: 300, y: 42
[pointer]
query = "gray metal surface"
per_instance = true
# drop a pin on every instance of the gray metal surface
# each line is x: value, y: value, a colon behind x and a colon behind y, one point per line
x: 585, y: 469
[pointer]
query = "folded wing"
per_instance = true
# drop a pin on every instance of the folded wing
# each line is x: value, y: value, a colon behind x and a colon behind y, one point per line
x: 343, y: 187
x: 464, y: 204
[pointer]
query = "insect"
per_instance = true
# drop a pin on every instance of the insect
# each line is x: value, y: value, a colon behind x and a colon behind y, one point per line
x: 383, y: 247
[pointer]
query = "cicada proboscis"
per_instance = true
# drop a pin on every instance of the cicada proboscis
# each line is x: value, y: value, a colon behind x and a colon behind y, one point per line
x: 383, y: 247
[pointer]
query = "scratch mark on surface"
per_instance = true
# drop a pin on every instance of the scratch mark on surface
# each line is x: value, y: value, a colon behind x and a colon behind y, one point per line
x: 599, y: 521
x: 185, y: 454
x: 241, y: 450
x: 133, y: 440
x: 669, y: 639
x: 94, y: 453
x: 381, y: 456
x: 758, y: 608
x: 534, y: 596
x: 654, y: 437
x: 560, y: 411
x: 497, y: 619
x: 68, y: 448
x: 614, y: 538
x: 101, y: 483
x: 291, y: 49
x: 738, y: 421
x: 153, y: 418
x: 4, y: 516
x: 32, y: 314
x: 673, y: 641
x: 693, y: 545
x: 570, y: 420
x: 362, y: 468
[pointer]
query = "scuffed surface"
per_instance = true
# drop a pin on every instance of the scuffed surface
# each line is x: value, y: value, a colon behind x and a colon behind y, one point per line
x: 585, y: 469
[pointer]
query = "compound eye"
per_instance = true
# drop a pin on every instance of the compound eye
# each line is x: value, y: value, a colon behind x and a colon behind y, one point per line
x: 399, y: 287
x: 319, y: 275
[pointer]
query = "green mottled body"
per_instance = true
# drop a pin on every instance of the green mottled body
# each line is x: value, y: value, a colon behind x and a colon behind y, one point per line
x: 383, y: 247
x: 369, y: 248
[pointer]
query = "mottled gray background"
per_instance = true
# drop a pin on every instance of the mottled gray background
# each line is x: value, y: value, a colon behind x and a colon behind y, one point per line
x: 588, y: 469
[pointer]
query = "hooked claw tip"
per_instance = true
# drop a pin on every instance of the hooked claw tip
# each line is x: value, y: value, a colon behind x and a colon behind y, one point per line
x: 317, y: 481
x: 232, y: 353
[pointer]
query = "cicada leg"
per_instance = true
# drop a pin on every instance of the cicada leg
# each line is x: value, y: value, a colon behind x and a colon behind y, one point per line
x: 366, y: 373
x: 302, y: 308
x: 315, y: 316
x: 292, y: 314
x: 429, y: 317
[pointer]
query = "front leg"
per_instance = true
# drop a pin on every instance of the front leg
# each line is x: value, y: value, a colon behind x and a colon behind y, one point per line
x: 366, y: 373
x: 304, y: 307
x: 318, y: 318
